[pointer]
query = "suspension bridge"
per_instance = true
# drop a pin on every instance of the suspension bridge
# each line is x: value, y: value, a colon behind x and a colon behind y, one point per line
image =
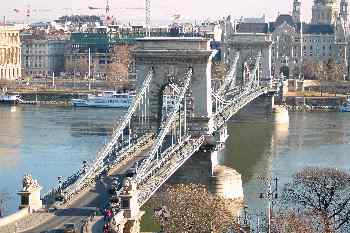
x: 175, y: 114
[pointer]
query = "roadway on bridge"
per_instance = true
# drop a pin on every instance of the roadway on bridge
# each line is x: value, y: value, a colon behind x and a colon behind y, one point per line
x: 89, y: 201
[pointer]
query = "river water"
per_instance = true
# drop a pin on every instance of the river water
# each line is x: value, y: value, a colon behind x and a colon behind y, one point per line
x: 259, y: 148
x: 48, y: 142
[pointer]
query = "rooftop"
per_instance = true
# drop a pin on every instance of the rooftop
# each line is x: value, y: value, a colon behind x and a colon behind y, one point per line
x: 172, y: 39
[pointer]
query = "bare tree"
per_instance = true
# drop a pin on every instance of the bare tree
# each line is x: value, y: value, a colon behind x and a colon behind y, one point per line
x: 322, y: 193
x: 193, y: 209
x: 292, y: 222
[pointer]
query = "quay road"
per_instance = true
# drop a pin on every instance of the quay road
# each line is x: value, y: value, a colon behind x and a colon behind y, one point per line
x: 91, y: 199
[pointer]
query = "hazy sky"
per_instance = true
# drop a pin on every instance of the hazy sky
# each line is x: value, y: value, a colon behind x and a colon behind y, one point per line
x: 161, y: 9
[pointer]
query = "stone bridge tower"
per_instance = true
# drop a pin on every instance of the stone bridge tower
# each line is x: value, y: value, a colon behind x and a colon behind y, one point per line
x: 249, y: 46
x: 171, y: 58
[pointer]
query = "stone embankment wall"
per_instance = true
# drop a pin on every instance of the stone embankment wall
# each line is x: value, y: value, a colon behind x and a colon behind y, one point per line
x: 317, y: 104
x: 51, y: 98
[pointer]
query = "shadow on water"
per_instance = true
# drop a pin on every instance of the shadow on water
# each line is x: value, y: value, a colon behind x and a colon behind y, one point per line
x: 88, y: 128
x: 246, y: 146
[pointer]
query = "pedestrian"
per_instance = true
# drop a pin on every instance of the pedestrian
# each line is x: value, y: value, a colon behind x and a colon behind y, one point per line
x: 104, y: 215
x: 105, y: 228
x: 109, y: 215
x: 86, y: 226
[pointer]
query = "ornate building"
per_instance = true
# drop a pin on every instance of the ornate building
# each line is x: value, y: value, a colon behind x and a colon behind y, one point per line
x: 324, y: 12
x: 10, y: 53
x: 296, y: 42
x: 42, y: 55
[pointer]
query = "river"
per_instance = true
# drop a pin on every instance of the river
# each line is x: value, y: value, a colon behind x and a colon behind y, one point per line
x: 48, y: 142
x: 259, y: 148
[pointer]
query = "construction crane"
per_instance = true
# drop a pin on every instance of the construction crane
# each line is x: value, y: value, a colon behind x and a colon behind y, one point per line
x: 147, y: 8
x: 28, y: 11
x: 108, y: 8
x: 148, y: 18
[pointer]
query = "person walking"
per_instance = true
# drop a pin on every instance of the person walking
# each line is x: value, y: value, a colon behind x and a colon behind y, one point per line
x: 105, y: 228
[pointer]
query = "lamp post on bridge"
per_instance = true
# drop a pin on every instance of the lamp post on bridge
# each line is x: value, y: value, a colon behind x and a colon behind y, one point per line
x: 271, y: 195
x: 163, y: 214
x: 59, y: 179
x: 84, y: 166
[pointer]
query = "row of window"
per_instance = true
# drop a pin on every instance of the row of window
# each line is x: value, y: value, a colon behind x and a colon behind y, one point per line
x: 317, y: 54
x: 323, y: 47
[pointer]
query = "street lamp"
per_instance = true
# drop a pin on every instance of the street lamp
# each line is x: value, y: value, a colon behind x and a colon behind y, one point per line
x: 84, y: 166
x: 271, y: 195
x: 59, y: 178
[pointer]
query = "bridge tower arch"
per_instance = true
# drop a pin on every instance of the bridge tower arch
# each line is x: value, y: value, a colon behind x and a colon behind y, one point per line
x: 248, y: 45
x: 171, y: 58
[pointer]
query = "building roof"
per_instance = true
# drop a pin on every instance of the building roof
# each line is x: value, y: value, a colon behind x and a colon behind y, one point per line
x: 317, y: 29
x: 252, y: 28
x: 284, y: 18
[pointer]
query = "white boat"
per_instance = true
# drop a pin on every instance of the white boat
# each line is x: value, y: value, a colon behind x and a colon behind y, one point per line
x: 345, y: 107
x: 10, y: 99
x: 107, y: 99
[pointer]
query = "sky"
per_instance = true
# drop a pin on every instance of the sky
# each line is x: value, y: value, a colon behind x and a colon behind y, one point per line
x: 161, y: 9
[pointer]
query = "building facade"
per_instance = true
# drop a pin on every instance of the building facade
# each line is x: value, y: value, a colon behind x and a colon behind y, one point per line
x: 42, y: 56
x: 296, y: 43
x: 10, y: 53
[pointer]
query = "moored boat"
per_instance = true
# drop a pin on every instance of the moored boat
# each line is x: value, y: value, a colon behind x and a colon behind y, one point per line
x: 107, y: 99
x: 10, y: 99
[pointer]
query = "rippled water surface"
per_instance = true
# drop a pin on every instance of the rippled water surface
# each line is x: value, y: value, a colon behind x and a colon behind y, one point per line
x: 51, y: 141
x: 258, y: 147
x: 47, y: 142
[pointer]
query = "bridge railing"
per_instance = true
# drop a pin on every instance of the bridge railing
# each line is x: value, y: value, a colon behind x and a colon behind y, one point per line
x: 229, y: 78
x: 75, y: 182
x: 237, y: 103
x: 172, y: 161
x: 165, y: 127
x: 96, y: 166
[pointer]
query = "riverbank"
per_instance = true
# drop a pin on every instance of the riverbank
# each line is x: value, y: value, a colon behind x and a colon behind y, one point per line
x: 308, y: 108
x: 56, y: 98
x: 314, y: 103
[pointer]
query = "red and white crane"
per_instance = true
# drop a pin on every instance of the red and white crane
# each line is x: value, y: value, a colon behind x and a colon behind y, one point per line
x: 107, y: 8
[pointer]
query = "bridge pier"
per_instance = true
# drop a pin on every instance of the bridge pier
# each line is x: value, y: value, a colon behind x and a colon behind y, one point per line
x: 204, y: 168
x: 264, y: 104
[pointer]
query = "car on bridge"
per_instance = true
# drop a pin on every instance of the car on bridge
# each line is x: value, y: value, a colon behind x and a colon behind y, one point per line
x: 71, y: 228
x: 54, y: 231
